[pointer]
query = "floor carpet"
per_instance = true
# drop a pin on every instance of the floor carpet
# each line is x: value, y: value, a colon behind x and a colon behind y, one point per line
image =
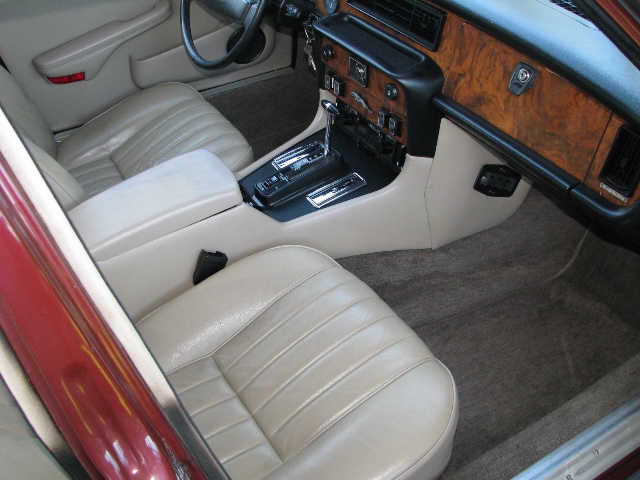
x: 273, y: 111
x: 527, y: 316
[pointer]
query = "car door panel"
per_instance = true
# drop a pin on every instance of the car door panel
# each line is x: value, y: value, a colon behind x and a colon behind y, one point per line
x: 31, y: 29
x: 174, y: 64
x: 89, y: 52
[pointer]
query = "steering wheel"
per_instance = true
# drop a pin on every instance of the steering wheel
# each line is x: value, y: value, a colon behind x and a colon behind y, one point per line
x: 248, y: 13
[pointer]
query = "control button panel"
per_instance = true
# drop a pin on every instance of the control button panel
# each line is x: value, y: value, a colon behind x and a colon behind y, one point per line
x: 372, y: 93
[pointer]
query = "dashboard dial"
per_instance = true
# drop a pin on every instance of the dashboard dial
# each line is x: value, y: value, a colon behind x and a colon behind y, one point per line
x: 331, y: 6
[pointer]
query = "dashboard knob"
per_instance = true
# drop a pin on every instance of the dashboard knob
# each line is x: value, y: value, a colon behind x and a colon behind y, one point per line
x: 391, y: 91
x: 327, y: 52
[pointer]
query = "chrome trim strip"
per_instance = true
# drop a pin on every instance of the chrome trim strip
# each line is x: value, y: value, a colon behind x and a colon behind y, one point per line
x: 288, y: 158
x: 593, y: 451
x: 335, y: 190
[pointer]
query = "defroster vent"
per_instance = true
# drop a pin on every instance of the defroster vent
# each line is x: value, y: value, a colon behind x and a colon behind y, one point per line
x: 622, y: 169
x: 569, y: 6
x: 414, y: 19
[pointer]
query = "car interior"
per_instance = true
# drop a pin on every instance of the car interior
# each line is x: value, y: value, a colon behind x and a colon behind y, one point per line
x: 355, y: 238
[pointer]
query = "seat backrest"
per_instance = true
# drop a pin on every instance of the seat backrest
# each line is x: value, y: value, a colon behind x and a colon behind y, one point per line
x: 24, y: 114
x: 39, y: 140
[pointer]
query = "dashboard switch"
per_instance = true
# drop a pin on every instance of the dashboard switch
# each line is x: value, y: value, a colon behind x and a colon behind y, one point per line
x: 391, y: 91
x: 395, y: 125
x: 383, y: 118
x: 339, y: 86
x: 328, y: 80
x: 327, y: 52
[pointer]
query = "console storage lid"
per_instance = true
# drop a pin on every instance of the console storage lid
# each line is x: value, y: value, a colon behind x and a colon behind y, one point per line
x: 154, y: 203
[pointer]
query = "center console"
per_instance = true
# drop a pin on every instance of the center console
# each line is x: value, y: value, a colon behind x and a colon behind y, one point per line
x: 382, y: 112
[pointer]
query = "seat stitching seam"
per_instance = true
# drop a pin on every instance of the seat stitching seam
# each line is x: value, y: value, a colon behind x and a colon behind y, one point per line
x: 232, y: 146
x: 227, y: 427
x: 208, y: 140
x: 160, y: 124
x: 362, y: 400
x: 145, y: 135
x: 254, y: 419
x: 280, y: 324
x: 147, y: 149
x: 214, y: 404
x: 271, y: 303
x: 199, y: 383
x: 248, y: 323
x: 163, y: 122
x: 298, y: 340
x: 241, y: 160
x: 102, y: 163
x: 322, y: 355
x: 150, y: 163
x: 253, y: 447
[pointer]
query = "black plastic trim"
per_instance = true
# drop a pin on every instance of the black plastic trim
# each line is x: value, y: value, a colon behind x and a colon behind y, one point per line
x: 430, y: 44
x: 533, y: 165
x: 418, y: 74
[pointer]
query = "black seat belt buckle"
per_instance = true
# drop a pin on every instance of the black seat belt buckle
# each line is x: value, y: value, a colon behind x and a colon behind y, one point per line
x: 208, y: 263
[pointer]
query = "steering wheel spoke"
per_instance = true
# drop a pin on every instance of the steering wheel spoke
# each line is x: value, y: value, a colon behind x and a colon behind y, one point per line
x: 248, y: 13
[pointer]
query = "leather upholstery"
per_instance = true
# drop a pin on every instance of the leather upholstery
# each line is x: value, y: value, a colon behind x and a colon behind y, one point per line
x: 149, y: 127
x: 145, y: 129
x: 293, y: 368
x: 22, y: 454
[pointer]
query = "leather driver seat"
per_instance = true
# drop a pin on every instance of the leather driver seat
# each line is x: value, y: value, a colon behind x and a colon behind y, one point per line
x: 291, y: 367
x: 143, y: 130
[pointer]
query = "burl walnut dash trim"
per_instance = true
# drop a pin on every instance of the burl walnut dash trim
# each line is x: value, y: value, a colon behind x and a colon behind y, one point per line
x: 554, y: 118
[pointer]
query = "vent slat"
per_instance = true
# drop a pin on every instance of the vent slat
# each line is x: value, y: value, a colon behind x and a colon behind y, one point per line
x: 621, y: 171
x: 569, y: 6
x: 409, y: 17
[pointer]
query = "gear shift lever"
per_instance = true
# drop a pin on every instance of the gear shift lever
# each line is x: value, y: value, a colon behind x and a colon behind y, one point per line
x: 332, y: 112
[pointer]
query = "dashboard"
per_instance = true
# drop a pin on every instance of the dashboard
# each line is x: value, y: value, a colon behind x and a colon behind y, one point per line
x: 541, y: 86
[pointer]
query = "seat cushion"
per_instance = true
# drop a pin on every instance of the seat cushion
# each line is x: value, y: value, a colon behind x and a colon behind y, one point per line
x: 147, y: 128
x: 291, y: 367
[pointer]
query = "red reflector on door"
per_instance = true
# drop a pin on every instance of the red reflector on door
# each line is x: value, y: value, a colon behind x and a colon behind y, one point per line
x: 74, y: 77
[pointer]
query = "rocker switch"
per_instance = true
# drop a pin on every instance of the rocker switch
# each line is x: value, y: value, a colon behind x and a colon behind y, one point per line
x: 383, y: 118
x: 328, y: 80
x: 395, y: 125
x: 339, y: 86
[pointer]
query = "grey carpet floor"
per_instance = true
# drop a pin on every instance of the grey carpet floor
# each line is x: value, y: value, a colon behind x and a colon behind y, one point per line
x: 528, y: 316
x: 273, y: 111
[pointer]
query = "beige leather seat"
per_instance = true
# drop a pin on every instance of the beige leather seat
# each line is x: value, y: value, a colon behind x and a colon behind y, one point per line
x: 291, y: 367
x: 147, y: 128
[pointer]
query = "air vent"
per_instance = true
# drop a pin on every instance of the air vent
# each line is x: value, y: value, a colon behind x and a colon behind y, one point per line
x: 622, y: 169
x: 411, y: 18
x: 570, y: 6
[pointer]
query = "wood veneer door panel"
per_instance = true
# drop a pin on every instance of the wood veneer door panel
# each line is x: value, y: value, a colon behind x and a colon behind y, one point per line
x: 554, y: 118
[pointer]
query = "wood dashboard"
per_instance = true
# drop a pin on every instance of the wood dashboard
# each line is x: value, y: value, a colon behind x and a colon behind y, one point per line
x: 554, y: 118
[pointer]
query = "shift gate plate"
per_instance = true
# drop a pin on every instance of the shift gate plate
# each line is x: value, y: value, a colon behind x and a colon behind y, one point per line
x: 335, y: 190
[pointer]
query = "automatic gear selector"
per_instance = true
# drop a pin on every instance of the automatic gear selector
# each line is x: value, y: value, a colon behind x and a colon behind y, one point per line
x: 303, y: 169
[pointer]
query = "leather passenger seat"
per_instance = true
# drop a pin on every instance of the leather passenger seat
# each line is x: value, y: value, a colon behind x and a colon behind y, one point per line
x: 143, y: 130
x: 291, y: 367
